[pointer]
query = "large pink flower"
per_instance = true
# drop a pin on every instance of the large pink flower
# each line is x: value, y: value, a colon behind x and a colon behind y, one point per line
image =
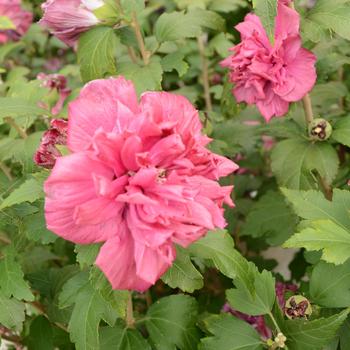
x: 67, y: 19
x: 271, y: 75
x: 20, y: 18
x: 139, y: 179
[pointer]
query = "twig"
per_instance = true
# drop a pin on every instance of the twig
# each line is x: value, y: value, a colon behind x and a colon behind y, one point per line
x: 205, y: 73
x: 137, y: 29
x: 309, y: 116
x: 19, y: 130
x: 327, y: 189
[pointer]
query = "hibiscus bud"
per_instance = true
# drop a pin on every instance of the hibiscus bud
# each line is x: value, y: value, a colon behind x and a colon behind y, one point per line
x: 48, y: 152
x: 68, y: 19
x: 320, y: 130
x: 297, y: 307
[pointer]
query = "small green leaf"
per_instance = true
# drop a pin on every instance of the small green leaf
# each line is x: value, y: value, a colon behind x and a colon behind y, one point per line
x: 88, y: 311
x: 267, y: 11
x: 312, y: 335
x: 12, y: 282
x: 330, y: 285
x: 176, y: 25
x: 218, y: 246
x: 312, y: 205
x: 182, y: 273
x: 294, y: 160
x: 40, y: 335
x: 87, y: 254
x: 333, y: 15
x: 29, y: 191
x: 171, y: 322
x: 35, y: 229
x: 261, y: 302
x: 270, y: 218
x: 341, y: 131
x: 122, y: 338
x: 230, y: 333
x: 11, y: 312
x: 175, y: 61
x: 96, y: 53
x: 17, y: 107
x: 145, y: 78
x: 208, y: 19
x: 6, y: 49
x: 324, y: 235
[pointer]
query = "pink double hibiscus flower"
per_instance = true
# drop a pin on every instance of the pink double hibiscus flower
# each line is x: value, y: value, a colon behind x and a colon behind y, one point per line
x: 139, y: 179
x: 271, y: 75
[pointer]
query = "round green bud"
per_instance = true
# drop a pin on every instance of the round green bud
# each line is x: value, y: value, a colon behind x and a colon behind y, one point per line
x: 320, y: 130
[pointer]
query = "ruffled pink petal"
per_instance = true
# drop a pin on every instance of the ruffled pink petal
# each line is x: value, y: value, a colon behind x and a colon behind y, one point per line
x: 152, y: 263
x: 302, y: 70
x: 116, y: 260
x: 287, y: 22
x: 102, y: 104
x: 251, y: 25
x: 71, y: 185
x: 274, y: 106
x: 131, y: 147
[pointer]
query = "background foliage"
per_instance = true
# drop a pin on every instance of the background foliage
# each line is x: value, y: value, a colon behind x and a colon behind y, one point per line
x: 51, y: 295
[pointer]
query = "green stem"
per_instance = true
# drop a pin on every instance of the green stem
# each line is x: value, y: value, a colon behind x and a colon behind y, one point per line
x: 205, y: 73
x: 309, y: 116
x: 274, y: 322
x: 129, y: 317
x: 19, y: 130
x: 137, y: 29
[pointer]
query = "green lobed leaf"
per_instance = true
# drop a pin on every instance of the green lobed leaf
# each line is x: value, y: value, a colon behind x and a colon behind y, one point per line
x: 261, y: 302
x: 313, y: 335
x: 175, y: 61
x: 183, y: 274
x: 96, y: 53
x: 145, y: 78
x: 294, y: 160
x: 11, y: 312
x: 267, y: 11
x: 344, y: 335
x: 341, y: 131
x: 40, y: 335
x: 176, y: 25
x: 226, y: 5
x: 271, y: 218
x: 218, y: 246
x: 208, y: 19
x: 171, y: 322
x: 12, y: 282
x: 122, y: 338
x: 17, y: 107
x: 330, y: 285
x: 324, y: 235
x: 312, y: 205
x: 87, y: 254
x: 230, y: 333
x: 88, y: 311
x: 333, y: 15
x: 35, y: 228
x: 29, y: 191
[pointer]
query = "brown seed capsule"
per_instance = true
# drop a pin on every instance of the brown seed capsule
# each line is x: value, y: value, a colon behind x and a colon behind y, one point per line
x: 297, y: 307
x: 320, y: 130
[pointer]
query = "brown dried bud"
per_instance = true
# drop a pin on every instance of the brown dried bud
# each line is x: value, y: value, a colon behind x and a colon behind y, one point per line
x: 320, y: 130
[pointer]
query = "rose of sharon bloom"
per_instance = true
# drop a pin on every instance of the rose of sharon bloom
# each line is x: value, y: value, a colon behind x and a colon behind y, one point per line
x: 67, y: 19
x: 47, y: 152
x: 271, y: 75
x: 139, y: 179
x: 59, y: 83
x: 20, y: 18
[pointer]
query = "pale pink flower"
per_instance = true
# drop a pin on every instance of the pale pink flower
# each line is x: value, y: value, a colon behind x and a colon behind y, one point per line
x: 67, y: 19
x: 271, y: 75
x: 20, y: 18
x: 139, y: 179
